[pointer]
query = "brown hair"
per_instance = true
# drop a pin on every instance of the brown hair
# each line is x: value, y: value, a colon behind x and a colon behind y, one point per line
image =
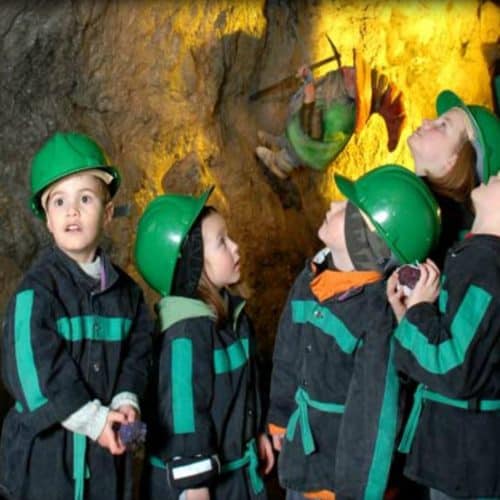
x: 209, y: 294
x: 206, y: 290
x: 458, y: 183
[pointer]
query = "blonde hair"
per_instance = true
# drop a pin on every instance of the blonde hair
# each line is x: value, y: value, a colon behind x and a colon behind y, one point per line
x: 458, y: 183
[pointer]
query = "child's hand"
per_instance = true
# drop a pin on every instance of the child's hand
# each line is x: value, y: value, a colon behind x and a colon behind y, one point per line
x: 198, y: 494
x: 278, y: 441
x: 266, y: 454
x: 427, y: 287
x: 396, y: 296
x: 130, y: 413
x: 109, y: 438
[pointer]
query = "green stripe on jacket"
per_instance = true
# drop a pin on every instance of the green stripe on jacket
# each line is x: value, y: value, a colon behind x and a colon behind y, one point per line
x: 25, y: 360
x: 443, y: 357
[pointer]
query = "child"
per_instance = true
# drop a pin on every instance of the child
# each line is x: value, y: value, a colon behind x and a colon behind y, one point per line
x: 336, y: 325
x: 452, y: 349
x: 452, y: 153
x: 206, y: 435
x: 76, y: 342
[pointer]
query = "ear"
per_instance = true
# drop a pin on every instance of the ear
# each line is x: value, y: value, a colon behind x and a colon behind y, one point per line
x: 47, y: 222
x: 108, y: 212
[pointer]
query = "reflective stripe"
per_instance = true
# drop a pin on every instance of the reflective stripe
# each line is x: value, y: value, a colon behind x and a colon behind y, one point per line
x: 232, y: 358
x: 182, y: 386
x: 301, y: 415
x: 386, y: 434
x: 80, y: 471
x: 192, y: 469
x: 309, y: 311
x: 449, y: 354
x: 423, y: 393
x: 93, y: 327
x: 25, y: 360
x: 250, y: 459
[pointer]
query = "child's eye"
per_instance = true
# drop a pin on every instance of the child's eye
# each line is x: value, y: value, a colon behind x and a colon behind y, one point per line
x: 86, y: 198
x: 58, y: 202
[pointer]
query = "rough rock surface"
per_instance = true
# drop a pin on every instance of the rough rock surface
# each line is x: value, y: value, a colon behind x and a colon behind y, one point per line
x: 164, y: 86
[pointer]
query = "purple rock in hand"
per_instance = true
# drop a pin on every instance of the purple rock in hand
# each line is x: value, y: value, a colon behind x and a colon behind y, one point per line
x: 408, y: 275
x: 132, y: 434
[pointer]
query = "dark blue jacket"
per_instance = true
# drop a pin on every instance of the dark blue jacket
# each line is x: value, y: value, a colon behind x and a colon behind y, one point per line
x: 337, y: 354
x: 204, y: 400
x: 453, y: 350
x: 65, y: 343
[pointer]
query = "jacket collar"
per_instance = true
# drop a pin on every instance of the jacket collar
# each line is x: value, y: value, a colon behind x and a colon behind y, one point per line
x: 80, y: 276
x: 172, y: 309
x: 328, y: 282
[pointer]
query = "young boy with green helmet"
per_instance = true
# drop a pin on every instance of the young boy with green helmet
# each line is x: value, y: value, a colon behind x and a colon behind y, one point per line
x: 76, y: 342
x: 334, y: 391
x: 205, y: 438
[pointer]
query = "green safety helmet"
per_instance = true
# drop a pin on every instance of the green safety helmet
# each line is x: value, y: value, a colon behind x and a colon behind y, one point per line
x: 400, y: 206
x: 63, y: 154
x: 486, y: 127
x: 161, y: 231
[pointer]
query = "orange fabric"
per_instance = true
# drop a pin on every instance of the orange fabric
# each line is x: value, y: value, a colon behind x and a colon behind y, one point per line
x: 320, y: 495
x: 276, y: 429
x: 330, y: 283
x: 363, y: 91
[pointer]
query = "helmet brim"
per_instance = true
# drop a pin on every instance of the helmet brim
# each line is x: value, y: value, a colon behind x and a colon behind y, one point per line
x: 447, y: 100
x: 113, y: 185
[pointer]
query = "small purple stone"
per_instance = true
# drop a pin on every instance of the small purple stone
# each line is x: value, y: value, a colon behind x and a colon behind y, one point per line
x: 408, y: 275
x: 132, y: 434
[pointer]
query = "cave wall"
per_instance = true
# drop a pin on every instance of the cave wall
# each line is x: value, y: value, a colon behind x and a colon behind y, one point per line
x: 164, y: 86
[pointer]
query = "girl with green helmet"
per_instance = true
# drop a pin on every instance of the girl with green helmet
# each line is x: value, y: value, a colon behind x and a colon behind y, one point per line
x: 334, y: 390
x: 451, y: 350
x: 453, y: 153
x: 205, y: 438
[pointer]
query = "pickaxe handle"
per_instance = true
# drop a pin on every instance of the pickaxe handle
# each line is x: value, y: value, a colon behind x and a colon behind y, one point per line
x: 259, y: 93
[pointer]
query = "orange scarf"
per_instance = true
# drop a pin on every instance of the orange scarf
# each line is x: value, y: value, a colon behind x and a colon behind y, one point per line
x: 330, y: 282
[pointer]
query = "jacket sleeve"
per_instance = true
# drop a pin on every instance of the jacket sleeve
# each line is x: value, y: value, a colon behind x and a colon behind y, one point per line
x: 136, y: 364
x: 283, y: 376
x: 367, y: 436
x: 186, y: 378
x: 38, y: 371
x: 446, y: 346
x: 257, y: 398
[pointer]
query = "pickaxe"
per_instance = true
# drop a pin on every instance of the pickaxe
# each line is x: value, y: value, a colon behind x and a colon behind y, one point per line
x: 292, y: 78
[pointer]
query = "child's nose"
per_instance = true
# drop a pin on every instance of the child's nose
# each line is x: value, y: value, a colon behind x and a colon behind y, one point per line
x: 72, y: 208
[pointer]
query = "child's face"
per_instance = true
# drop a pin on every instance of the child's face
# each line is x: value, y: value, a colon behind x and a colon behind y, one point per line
x: 436, y: 143
x: 331, y: 232
x: 220, y: 253
x: 76, y: 215
x: 486, y: 197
